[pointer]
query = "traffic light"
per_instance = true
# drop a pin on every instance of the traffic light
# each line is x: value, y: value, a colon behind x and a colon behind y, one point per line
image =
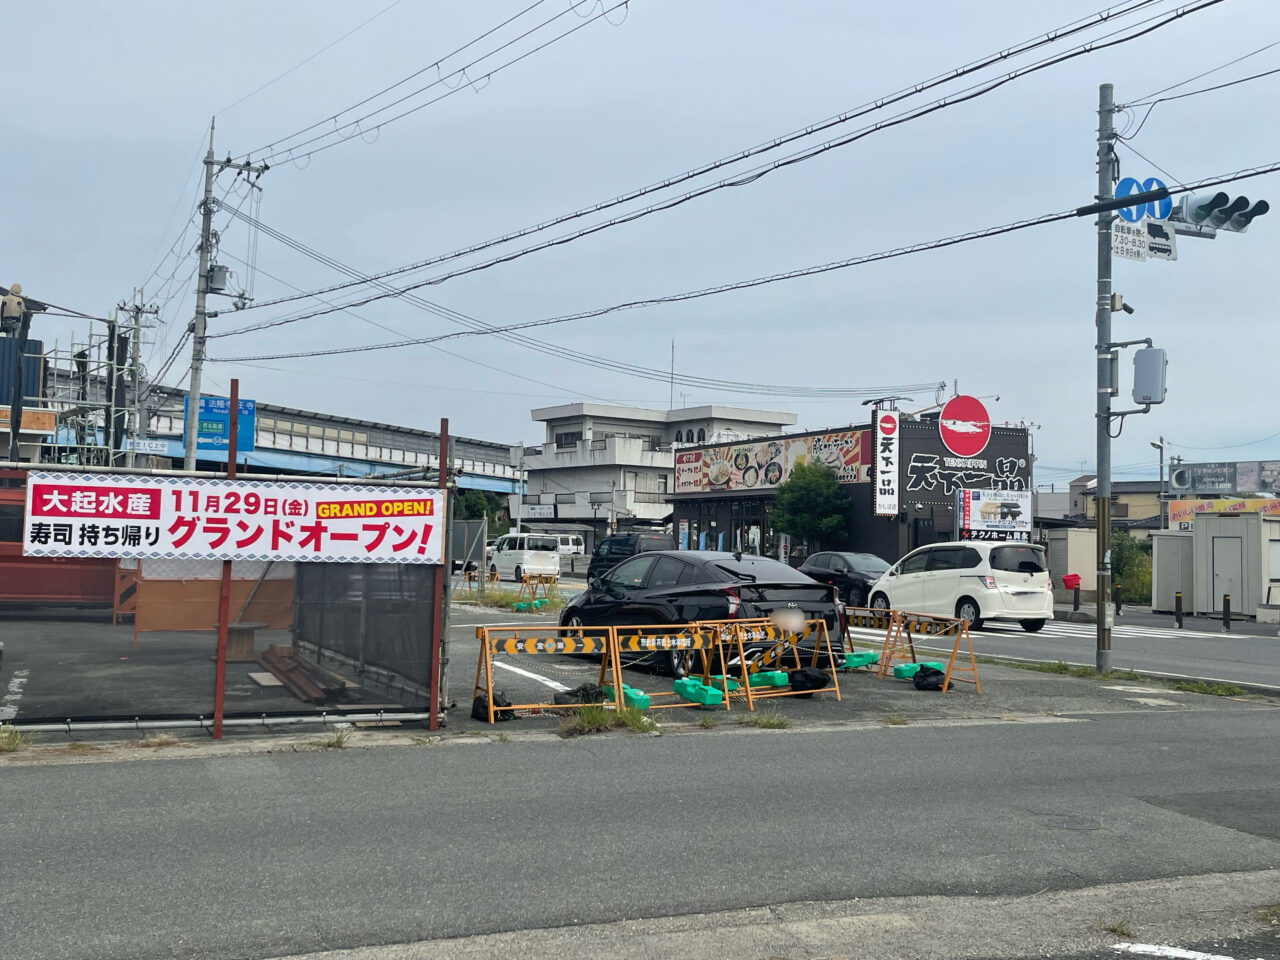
x: 1206, y: 213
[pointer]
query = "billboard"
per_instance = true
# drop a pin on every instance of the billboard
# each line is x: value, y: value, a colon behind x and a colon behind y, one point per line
x: 1241, y: 477
x: 993, y: 515
x: 764, y: 464
x: 112, y: 515
x: 1183, y: 512
x: 888, y: 438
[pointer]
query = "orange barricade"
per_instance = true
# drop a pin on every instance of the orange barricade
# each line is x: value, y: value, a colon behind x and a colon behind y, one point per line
x: 522, y: 641
x: 533, y: 584
x: 899, y: 643
x: 746, y: 656
x: 663, y: 638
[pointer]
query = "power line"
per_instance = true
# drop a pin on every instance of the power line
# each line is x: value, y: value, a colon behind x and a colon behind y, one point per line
x: 759, y: 281
x: 333, y: 118
x: 303, y: 63
x: 1228, y: 446
x: 1102, y: 17
x: 565, y: 353
x: 1200, y: 76
x: 291, y: 155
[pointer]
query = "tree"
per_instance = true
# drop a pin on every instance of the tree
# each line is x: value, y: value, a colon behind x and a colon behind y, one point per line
x: 813, y: 506
x: 1131, y: 567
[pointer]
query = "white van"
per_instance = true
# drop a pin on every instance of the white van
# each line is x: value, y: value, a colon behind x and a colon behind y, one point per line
x: 974, y: 581
x: 519, y: 553
x: 571, y: 544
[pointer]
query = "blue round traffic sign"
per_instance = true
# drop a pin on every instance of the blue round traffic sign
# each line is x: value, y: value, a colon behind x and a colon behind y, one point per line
x: 1153, y: 209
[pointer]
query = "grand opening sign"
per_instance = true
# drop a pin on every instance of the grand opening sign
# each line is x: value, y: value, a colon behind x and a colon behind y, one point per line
x: 108, y: 515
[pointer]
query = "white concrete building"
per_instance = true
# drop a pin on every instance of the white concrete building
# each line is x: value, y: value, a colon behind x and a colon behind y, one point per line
x: 606, y: 466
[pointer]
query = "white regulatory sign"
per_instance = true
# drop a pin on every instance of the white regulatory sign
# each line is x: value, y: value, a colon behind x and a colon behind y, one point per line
x: 1144, y: 240
x: 1129, y: 240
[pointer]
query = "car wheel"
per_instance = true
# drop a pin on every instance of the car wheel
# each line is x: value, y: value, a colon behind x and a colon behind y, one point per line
x: 677, y: 663
x: 493, y: 569
x: 1031, y: 626
x: 519, y: 574
x: 857, y: 597
x: 879, y: 602
x: 967, y: 609
x: 575, y: 623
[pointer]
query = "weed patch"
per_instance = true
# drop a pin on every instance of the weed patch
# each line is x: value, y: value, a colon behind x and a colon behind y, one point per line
x: 894, y: 720
x: 1063, y: 668
x: 80, y: 746
x: 11, y: 741
x: 502, y: 599
x: 154, y: 742
x: 707, y: 721
x: 1120, y: 928
x: 595, y: 718
x: 765, y: 720
x: 1211, y: 689
x: 336, y: 742
x: 637, y: 721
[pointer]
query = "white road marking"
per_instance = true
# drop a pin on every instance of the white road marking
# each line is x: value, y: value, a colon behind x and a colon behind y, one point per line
x: 1152, y: 702
x: 9, y: 702
x: 553, y: 684
x: 1158, y: 950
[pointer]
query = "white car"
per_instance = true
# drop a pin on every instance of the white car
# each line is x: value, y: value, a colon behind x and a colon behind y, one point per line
x: 517, y: 554
x: 972, y: 581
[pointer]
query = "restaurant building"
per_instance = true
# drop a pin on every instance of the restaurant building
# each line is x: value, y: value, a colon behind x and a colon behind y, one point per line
x: 724, y: 494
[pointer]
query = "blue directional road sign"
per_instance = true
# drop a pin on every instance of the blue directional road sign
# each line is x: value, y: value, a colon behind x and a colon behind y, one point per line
x: 215, y: 424
x: 1153, y: 210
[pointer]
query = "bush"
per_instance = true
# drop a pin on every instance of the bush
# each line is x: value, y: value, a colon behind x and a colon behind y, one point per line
x: 1131, y: 567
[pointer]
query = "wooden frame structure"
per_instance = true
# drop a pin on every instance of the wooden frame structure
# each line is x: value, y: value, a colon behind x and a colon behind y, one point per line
x: 661, y: 638
x: 531, y: 584
x: 899, y: 643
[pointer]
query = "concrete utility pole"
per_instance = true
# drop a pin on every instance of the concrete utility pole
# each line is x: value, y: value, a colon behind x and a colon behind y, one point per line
x: 1106, y: 368
x: 137, y: 311
x: 191, y: 424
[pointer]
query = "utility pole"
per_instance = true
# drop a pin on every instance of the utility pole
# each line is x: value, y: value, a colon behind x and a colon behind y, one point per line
x: 137, y: 311
x: 191, y: 423
x: 1106, y: 368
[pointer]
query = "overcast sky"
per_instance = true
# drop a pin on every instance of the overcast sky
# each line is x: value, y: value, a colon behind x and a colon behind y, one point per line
x: 108, y: 108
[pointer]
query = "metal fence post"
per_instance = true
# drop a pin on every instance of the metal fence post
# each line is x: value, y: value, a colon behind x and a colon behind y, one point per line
x: 1075, y: 599
x: 1177, y: 609
x: 1226, y: 613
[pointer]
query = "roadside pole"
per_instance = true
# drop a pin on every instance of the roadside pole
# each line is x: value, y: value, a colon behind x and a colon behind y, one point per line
x: 191, y: 420
x: 224, y: 589
x: 444, y: 573
x: 1106, y: 366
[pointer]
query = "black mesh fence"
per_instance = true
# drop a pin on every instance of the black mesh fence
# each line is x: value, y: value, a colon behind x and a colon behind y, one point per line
x: 371, y: 622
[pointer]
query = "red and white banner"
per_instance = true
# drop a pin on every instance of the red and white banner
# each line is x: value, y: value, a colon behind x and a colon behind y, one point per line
x: 109, y: 515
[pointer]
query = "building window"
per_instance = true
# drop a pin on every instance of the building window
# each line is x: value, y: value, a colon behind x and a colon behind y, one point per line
x: 702, y: 435
x: 679, y: 437
x: 662, y: 483
x: 568, y: 439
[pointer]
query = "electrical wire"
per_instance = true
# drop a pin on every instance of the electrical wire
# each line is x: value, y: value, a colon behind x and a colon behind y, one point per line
x: 292, y: 156
x: 565, y: 353
x: 333, y: 118
x: 1152, y: 104
x: 303, y: 63
x: 1228, y: 446
x: 737, y: 180
x: 894, y: 253
x: 1141, y: 101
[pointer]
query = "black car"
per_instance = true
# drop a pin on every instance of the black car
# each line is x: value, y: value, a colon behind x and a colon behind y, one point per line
x: 616, y: 547
x: 680, y: 586
x: 850, y: 573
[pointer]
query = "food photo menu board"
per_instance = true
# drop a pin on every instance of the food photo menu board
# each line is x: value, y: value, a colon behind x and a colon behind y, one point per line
x: 763, y: 464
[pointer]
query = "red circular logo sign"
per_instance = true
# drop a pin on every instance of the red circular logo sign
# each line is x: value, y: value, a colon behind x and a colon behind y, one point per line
x: 888, y: 424
x: 965, y: 426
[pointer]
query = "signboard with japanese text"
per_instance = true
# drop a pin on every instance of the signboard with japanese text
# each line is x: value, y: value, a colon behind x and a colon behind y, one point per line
x: 214, y: 426
x: 993, y: 515
x: 1182, y: 513
x: 887, y: 439
x: 763, y: 464
x: 112, y: 515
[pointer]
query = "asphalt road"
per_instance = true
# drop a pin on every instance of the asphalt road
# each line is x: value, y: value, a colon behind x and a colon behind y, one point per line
x: 1236, y: 657
x: 265, y: 856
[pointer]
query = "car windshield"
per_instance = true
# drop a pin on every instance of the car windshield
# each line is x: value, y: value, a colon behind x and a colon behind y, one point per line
x: 614, y: 548
x: 1020, y: 559
x: 760, y: 568
x: 866, y: 563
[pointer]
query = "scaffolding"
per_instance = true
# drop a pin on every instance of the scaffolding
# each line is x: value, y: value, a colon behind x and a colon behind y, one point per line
x: 89, y: 386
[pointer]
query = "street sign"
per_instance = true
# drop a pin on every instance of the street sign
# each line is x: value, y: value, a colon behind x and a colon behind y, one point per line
x: 965, y: 426
x: 1153, y: 210
x: 1146, y: 240
x: 214, y: 428
x: 147, y: 446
